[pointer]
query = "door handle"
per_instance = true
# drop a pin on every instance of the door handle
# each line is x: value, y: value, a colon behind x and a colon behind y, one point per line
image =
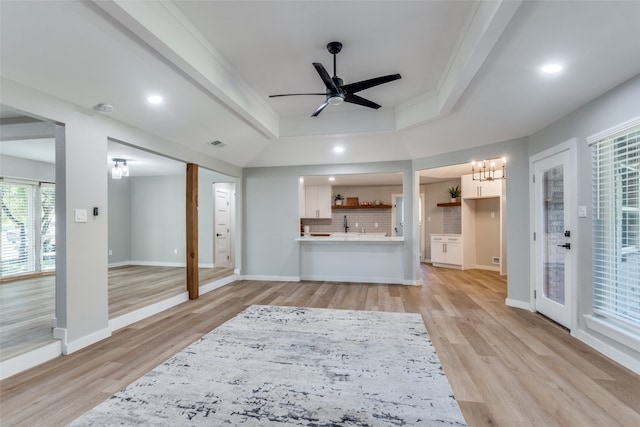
x: 566, y: 246
x: 218, y: 234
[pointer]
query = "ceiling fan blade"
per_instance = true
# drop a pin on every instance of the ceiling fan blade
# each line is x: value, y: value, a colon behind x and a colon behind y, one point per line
x: 296, y: 94
x: 366, y: 84
x: 355, y: 99
x: 320, y: 108
x: 328, y: 81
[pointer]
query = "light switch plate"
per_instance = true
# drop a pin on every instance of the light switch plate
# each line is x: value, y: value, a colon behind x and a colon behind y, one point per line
x: 582, y: 211
x: 81, y: 215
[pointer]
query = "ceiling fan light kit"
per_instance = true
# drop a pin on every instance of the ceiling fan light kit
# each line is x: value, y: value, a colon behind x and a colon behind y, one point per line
x: 336, y: 91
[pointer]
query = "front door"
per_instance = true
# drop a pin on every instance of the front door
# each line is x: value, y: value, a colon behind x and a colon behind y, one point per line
x: 222, y: 227
x: 553, y: 232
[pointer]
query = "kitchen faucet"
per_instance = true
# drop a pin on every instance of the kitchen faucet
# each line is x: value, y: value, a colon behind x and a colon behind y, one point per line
x: 345, y: 224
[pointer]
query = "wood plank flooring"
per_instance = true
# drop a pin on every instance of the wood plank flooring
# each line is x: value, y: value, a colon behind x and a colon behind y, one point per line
x: 27, y: 306
x: 507, y: 367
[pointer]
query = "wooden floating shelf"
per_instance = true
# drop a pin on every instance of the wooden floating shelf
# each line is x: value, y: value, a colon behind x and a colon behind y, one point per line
x: 362, y: 207
x: 445, y: 205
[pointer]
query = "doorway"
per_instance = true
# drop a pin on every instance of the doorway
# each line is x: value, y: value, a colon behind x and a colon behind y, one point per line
x: 553, y: 185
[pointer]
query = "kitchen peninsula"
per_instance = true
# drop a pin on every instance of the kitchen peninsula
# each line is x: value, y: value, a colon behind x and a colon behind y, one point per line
x: 352, y: 257
x: 347, y: 230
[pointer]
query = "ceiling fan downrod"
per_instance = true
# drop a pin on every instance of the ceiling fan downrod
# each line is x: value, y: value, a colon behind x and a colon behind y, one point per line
x: 334, y: 48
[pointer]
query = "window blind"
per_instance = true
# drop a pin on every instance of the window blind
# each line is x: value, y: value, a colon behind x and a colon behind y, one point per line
x: 47, y: 227
x: 616, y: 226
x: 18, y: 228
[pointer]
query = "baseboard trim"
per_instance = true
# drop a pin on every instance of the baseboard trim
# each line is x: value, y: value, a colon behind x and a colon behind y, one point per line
x: 518, y: 304
x: 148, y: 311
x: 118, y: 264
x: 158, y: 264
x: 359, y: 279
x: 488, y: 267
x: 30, y: 359
x: 72, y: 346
x: 270, y: 278
x: 217, y: 284
x: 622, y: 358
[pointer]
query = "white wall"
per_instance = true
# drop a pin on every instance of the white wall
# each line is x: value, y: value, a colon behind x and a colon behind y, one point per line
x: 617, y: 106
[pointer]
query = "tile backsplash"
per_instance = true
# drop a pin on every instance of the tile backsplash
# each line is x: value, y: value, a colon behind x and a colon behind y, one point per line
x: 366, y: 219
x: 452, y: 220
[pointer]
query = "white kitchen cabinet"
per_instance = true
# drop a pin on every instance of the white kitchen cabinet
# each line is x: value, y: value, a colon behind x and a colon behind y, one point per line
x: 317, y: 201
x: 480, y: 189
x: 446, y: 250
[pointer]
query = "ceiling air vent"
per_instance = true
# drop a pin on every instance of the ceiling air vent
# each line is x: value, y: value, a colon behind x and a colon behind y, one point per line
x: 217, y: 143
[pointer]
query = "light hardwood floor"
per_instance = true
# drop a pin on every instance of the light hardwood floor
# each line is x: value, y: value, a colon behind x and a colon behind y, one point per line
x: 27, y: 306
x: 507, y: 367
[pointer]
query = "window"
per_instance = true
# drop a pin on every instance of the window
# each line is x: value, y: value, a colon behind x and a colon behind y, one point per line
x: 28, y: 228
x: 616, y: 225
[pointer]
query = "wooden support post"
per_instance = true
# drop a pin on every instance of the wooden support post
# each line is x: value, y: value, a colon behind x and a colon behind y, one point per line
x: 193, y: 280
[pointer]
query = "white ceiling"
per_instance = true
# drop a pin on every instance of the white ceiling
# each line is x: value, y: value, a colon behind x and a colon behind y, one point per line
x: 470, y: 69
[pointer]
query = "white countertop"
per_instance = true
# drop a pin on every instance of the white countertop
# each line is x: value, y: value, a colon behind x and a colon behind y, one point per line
x: 364, y: 238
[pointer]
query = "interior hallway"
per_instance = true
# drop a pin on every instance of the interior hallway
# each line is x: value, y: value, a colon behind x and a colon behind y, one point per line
x: 507, y: 366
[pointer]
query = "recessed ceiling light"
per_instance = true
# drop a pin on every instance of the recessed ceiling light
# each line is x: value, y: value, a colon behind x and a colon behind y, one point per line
x: 154, y: 99
x: 338, y: 149
x: 331, y: 178
x: 551, y: 68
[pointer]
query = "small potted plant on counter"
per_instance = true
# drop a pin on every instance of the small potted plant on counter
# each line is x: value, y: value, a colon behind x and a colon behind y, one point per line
x: 337, y: 199
x: 454, y: 192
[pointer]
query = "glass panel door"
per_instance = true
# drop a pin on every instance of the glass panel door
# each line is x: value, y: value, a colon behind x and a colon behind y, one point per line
x: 553, y: 234
x: 552, y: 244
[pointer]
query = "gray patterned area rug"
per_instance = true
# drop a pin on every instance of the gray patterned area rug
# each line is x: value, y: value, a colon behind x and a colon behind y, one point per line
x: 291, y: 366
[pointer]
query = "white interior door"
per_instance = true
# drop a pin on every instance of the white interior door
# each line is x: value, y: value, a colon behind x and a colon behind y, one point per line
x: 223, y: 227
x: 553, y: 232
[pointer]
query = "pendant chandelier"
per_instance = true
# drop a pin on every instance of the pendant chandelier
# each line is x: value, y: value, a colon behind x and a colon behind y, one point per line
x: 485, y: 170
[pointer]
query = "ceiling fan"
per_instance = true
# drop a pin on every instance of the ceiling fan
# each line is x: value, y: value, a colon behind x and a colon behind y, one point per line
x: 337, y: 92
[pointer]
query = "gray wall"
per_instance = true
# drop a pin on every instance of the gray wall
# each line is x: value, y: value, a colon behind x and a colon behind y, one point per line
x: 616, y: 107
x: 158, y: 220
x: 147, y: 220
x: 15, y: 167
x: 119, y: 198
x: 487, y: 231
